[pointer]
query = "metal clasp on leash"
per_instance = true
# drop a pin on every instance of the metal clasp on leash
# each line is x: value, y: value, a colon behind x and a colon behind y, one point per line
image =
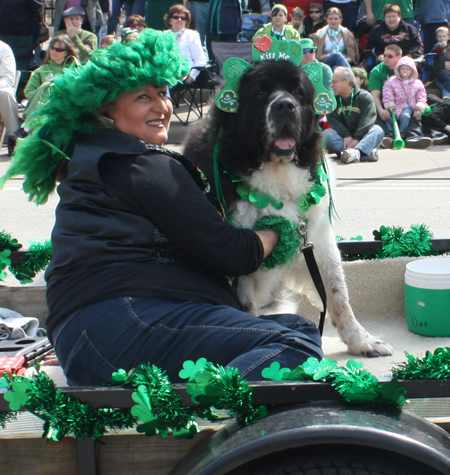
x: 303, y: 232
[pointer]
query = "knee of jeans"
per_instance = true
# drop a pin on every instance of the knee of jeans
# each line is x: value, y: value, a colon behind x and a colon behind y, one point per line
x: 85, y: 365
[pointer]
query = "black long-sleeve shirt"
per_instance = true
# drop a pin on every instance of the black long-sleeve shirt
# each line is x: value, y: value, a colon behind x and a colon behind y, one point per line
x: 133, y: 222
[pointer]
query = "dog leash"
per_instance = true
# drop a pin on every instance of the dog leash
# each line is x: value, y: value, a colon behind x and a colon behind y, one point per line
x: 308, y: 253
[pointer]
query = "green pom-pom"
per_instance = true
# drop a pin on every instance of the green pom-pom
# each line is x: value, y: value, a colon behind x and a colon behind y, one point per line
x: 288, y: 242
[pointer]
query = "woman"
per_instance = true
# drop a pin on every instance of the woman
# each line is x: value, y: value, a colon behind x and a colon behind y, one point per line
x: 278, y: 28
x: 142, y: 259
x: 60, y: 54
x: 178, y: 19
x: 336, y: 45
x: 362, y: 81
x: 135, y: 22
x: 393, y: 30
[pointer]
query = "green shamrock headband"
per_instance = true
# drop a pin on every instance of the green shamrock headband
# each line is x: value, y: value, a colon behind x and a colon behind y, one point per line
x: 266, y: 48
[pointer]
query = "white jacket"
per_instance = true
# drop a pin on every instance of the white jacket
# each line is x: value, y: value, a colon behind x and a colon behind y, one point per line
x: 7, y: 66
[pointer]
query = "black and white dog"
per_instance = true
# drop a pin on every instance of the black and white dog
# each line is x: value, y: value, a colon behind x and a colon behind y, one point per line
x: 273, y: 146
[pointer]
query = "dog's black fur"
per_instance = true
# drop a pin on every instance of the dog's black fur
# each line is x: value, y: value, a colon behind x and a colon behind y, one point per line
x: 244, y: 141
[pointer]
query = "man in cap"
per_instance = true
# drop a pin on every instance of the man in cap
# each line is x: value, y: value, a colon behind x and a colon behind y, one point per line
x: 84, y: 41
x: 309, y: 56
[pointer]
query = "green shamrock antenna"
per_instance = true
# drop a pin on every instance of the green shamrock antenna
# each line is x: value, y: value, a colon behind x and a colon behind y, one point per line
x: 266, y: 48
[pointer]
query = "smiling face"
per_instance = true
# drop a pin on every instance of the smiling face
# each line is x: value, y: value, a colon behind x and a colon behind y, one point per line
x: 334, y: 20
x: 144, y: 114
x: 177, y: 22
x: 392, y: 19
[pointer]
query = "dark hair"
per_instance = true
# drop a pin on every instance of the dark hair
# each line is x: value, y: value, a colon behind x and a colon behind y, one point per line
x: 392, y: 7
x: 71, y: 51
x: 316, y: 5
x: 177, y: 9
x: 333, y: 10
x: 135, y: 18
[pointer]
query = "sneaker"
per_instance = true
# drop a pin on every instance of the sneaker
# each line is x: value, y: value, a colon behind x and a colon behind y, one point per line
x: 388, y: 142
x: 438, y: 138
x: 418, y: 142
x: 372, y: 157
x: 351, y: 155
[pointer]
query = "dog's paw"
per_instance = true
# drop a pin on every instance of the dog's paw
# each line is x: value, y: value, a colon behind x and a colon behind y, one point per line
x: 371, y: 347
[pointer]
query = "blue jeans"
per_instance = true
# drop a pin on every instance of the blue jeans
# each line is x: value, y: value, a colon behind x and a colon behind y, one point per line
x: 199, y: 12
x: 403, y: 120
x: 337, y: 59
x: 370, y: 141
x: 126, y: 331
x: 443, y: 83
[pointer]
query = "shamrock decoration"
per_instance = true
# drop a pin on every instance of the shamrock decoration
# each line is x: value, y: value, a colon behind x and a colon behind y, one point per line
x: 275, y: 372
x: 319, y: 369
x: 18, y: 396
x: 266, y: 48
x: 260, y: 200
x: 190, y: 369
x: 4, y: 382
x: 143, y: 411
x: 4, y: 262
x: 233, y: 70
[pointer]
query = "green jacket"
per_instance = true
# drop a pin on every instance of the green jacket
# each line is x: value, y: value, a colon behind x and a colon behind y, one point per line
x: 363, y: 115
x: 290, y: 33
x: 84, y: 41
x: 41, y: 75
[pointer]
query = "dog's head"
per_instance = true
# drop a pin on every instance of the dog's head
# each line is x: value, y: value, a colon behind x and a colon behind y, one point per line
x: 275, y: 120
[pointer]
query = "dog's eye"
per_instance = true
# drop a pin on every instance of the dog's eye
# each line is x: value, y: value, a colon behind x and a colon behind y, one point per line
x: 298, y: 92
x: 260, y: 93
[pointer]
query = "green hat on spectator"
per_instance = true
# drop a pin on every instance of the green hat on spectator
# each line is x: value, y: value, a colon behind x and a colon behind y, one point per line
x: 307, y: 43
x: 279, y: 6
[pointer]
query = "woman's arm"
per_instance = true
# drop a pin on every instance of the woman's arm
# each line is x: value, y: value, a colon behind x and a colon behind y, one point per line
x: 33, y: 83
x: 269, y: 240
x: 197, y: 53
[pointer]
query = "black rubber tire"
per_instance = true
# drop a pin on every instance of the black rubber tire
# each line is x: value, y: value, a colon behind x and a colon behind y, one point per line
x: 337, y: 462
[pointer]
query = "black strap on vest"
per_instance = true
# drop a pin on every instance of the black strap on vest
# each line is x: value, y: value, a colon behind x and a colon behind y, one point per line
x: 308, y: 253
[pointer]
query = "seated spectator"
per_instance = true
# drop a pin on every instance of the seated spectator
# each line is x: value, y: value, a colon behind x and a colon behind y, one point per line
x: 436, y: 121
x: 315, y: 20
x: 92, y: 13
x: 178, y: 19
x: 349, y: 9
x: 353, y: 136
x: 83, y: 40
x: 108, y: 40
x: 442, y: 62
x: 393, y: 30
x: 336, y: 45
x: 297, y: 18
x: 378, y: 76
x: 405, y: 95
x: 8, y: 101
x: 135, y: 22
x: 375, y: 10
x: 60, y: 54
x: 362, y: 81
x: 309, y: 56
x: 278, y: 28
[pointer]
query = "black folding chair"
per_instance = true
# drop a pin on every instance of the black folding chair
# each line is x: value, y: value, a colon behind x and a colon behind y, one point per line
x: 191, y: 94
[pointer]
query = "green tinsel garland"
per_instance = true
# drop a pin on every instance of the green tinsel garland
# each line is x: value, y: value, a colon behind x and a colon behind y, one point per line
x: 158, y: 408
x: 288, y: 240
x: 37, y: 258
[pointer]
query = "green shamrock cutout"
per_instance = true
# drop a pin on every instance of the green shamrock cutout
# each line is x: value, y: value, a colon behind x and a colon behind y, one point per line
x: 119, y: 376
x: 266, y: 48
x: 260, y: 200
x: 324, y: 100
x: 190, y: 369
x: 228, y: 98
x: 274, y: 372
x: 319, y: 369
x: 4, y: 382
x: 17, y: 396
x: 143, y: 411
x: 392, y: 392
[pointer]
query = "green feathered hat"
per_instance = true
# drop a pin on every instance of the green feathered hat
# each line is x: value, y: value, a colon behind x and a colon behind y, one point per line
x: 69, y: 111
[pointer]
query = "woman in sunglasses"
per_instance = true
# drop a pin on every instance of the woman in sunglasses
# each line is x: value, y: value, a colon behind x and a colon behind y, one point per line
x: 135, y: 22
x: 178, y: 19
x: 60, y: 54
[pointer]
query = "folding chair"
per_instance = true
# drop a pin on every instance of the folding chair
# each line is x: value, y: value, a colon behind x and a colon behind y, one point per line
x: 222, y: 51
x: 16, y: 85
x: 191, y: 94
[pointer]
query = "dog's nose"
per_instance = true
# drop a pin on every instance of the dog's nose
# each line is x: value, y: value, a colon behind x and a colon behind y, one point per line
x: 284, y: 104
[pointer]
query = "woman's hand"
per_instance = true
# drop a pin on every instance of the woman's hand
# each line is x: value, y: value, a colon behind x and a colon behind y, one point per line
x: 269, y: 239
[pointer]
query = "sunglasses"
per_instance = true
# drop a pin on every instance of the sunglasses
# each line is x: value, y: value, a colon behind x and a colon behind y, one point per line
x: 308, y: 51
x: 134, y: 25
x: 390, y: 56
x: 179, y: 17
x: 314, y: 11
x: 58, y: 50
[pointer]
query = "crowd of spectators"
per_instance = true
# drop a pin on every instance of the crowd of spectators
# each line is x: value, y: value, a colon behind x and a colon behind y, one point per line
x: 359, y: 43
